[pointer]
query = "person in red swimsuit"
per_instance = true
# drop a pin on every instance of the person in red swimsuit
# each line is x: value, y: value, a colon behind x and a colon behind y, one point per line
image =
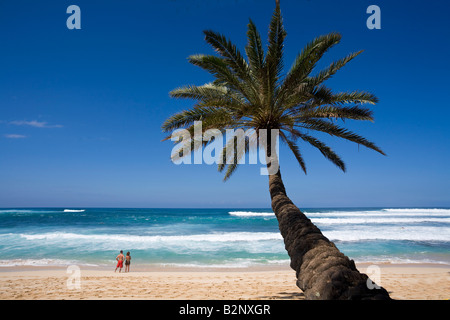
x: 120, y: 259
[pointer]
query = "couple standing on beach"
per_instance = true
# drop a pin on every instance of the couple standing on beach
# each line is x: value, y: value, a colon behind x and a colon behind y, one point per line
x: 120, y: 258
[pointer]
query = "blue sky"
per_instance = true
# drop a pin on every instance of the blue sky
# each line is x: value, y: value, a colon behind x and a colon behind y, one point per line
x: 81, y: 110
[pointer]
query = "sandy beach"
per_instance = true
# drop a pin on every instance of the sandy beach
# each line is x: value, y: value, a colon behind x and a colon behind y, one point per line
x: 405, y: 282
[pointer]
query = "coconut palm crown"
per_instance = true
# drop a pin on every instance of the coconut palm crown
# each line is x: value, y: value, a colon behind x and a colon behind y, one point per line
x: 252, y: 93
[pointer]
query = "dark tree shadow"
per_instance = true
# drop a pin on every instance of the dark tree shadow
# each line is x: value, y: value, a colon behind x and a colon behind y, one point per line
x: 285, y: 296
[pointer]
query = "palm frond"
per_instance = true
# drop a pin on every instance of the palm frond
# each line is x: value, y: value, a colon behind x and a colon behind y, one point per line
x: 230, y: 170
x: 232, y: 164
x: 295, y: 150
x: 189, y: 145
x: 305, y: 63
x: 219, y: 68
x: 353, y: 97
x: 230, y: 52
x: 322, y: 96
x: 199, y: 113
x: 334, y: 130
x: 332, y: 69
x: 326, y: 151
x: 255, y: 51
x: 274, y: 59
x: 337, y: 112
x: 204, y: 92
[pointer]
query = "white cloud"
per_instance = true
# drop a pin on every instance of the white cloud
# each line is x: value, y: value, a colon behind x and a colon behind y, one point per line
x: 14, y: 136
x: 36, y: 124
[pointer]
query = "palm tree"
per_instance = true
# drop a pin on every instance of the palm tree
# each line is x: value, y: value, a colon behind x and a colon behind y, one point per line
x: 252, y: 94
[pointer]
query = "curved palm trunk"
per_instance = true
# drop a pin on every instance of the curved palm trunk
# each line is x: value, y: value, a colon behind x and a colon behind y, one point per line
x: 323, y: 272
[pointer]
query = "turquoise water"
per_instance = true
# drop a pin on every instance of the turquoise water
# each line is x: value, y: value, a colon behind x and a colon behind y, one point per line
x: 230, y: 238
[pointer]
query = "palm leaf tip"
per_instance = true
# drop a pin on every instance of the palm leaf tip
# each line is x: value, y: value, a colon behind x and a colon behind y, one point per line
x: 295, y: 150
x: 254, y: 49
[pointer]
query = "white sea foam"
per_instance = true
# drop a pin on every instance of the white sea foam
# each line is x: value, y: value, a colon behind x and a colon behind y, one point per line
x: 420, y: 210
x: 40, y: 263
x: 253, y: 242
x: 354, y: 233
x: 381, y: 213
x: 251, y: 214
x: 410, y: 233
x: 414, y: 212
x: 210, y: 237
x: 12, y: 211
x: 28, y: 211
x: 396, y: 260
x: 376, y: 220
x: 25, y: 211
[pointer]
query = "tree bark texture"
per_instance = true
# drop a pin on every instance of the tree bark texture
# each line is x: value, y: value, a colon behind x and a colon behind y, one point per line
x: 323, y: 272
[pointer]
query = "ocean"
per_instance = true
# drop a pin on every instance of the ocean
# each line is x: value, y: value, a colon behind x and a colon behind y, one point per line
x: 213, y: 238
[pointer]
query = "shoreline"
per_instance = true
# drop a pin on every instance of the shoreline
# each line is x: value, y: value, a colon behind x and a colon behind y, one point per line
x: 176, y: 268
x: 403, y: 282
